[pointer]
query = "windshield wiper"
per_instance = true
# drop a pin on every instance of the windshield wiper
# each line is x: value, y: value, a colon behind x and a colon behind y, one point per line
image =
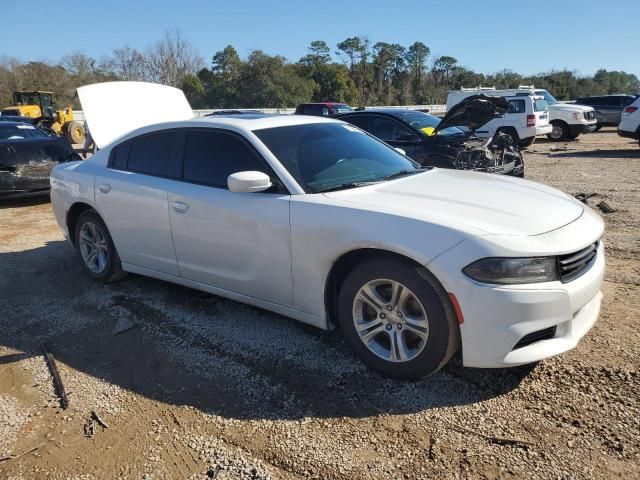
x: 345, y: 186
x: 403, y: 173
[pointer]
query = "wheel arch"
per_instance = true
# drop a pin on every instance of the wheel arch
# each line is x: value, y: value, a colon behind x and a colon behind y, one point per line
x: 345, y: 263
x: 73, y: 214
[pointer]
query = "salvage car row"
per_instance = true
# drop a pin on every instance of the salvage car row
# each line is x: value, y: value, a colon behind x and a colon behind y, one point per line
x: 318, y: 220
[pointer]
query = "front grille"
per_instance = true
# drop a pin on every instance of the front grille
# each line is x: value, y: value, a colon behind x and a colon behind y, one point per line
x: 590, y: 115
x: 573, y: 265
x: 533, y: 337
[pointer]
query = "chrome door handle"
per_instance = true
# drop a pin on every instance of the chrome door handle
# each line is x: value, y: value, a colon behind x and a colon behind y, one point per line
x: 104, y: 187
x: 180, y: 207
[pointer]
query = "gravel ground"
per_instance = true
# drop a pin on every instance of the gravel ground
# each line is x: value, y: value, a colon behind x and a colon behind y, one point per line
x: 204, y: 387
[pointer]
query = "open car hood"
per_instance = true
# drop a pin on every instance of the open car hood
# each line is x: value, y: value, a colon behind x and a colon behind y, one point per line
x: 473, y: 112
x: 112, y: 109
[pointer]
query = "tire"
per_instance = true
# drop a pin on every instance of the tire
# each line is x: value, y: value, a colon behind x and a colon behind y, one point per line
x: 74, y: 132
x: 426, y: 325
x: 90, y: 232
x: 515, y: 139
x: 559, y: 132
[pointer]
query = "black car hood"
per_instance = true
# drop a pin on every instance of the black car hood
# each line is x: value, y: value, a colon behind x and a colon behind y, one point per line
x: 473, y: 112
x: 35, y: 150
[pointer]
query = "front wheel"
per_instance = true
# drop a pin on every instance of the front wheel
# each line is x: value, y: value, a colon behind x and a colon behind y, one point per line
x: 559, y: 131
x: 397, y: 318
x: 95, y: 248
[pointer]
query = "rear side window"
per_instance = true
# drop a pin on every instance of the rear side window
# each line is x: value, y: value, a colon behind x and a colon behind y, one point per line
x: 360, y: 121
x: 389, y: 130
x: 154, y: 154
x: 210, y: 157
x: 516, y: 106
x: 119, y: 155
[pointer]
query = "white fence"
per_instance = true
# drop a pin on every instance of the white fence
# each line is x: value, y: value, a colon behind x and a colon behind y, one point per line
x: 433, y: 109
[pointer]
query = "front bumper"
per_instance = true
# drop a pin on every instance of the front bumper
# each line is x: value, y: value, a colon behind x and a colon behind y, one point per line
x: 581, y: 128
x: 627, y: 134
x: 14, y: 185
x: 504, y: 315
x: 497, y: 318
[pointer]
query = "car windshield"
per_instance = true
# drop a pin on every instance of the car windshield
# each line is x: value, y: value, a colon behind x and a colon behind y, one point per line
x: 342, y: 108
x: 19, y: 132
x: 427, y: 123
x: 547, y: 96
x: 328, y: 156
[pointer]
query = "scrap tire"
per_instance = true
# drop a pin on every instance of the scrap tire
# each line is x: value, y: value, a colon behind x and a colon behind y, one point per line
x: 112, y: 269
x: 559, y: 133
x: 75, y: 132
x: 443, y: 332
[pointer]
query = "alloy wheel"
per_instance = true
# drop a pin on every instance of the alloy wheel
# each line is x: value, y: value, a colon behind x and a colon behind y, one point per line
x: 390, y: 320
x: 93, y: 247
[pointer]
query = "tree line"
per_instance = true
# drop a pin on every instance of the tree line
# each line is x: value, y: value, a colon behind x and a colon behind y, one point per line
x: 366, y: 74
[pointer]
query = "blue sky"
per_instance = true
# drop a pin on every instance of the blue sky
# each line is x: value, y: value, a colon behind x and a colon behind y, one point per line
x: 528, y: 37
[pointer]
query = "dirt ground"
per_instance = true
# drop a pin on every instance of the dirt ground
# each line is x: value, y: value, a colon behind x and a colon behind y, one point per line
x: 204, y: 387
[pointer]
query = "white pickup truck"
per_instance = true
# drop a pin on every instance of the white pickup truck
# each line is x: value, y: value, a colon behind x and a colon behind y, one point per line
x: 567, y: 120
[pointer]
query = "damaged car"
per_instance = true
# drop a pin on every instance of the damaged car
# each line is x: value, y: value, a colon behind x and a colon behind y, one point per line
x: 27, y: 155
x: 315, y: 219
x: 448, y: 142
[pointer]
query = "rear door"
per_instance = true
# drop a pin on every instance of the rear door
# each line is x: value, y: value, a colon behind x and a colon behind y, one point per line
x: 235, y: 241
x: 131, y: 196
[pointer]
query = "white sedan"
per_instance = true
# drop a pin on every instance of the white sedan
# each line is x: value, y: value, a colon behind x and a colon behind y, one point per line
x: 314, y: 219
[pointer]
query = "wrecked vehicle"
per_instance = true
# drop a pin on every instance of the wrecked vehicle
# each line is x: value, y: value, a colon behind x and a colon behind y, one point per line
x: 446, y: 143
x: 27, y: 155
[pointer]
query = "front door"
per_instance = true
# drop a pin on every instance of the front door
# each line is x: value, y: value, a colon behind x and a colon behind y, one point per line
x: 236, y: 241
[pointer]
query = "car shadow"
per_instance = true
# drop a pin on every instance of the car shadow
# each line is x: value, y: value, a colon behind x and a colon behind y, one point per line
x: 191, y: 348
x: 608, y: 154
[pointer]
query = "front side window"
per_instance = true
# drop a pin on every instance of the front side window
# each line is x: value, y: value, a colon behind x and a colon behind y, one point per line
x: 324, y: 156
x: 389, y: 130
x: 154, y: 154
x: 210, y: 157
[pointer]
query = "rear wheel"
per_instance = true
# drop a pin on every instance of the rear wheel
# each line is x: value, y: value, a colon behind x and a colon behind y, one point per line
x: 75, y: 132
x: 95, y: 248
x: 397, y: 318
x: 559, y: 131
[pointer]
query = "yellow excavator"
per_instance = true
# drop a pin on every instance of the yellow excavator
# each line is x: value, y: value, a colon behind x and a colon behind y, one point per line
x: 39, y: 105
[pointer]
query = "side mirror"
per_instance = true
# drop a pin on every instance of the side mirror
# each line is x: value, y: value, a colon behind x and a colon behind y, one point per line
x: 247, y: 182
x: 400, y: 151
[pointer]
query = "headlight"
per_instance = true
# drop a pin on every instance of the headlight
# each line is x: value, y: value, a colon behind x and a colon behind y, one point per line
x: 510, y: 271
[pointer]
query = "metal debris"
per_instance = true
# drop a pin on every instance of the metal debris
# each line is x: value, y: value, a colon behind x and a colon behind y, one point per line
x: 583, y: 197
x: 605, y: 207
x: 57, y: 380
x: 97, y: 418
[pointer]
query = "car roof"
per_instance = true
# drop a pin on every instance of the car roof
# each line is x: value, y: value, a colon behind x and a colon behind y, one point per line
x: 258, y: 122
x: 330, y: 104
x: 394, y: 112
x: 15, y: 123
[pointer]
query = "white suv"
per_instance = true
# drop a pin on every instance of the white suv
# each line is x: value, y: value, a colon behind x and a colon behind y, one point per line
x: 630, y: 121
x: 526, y: 116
